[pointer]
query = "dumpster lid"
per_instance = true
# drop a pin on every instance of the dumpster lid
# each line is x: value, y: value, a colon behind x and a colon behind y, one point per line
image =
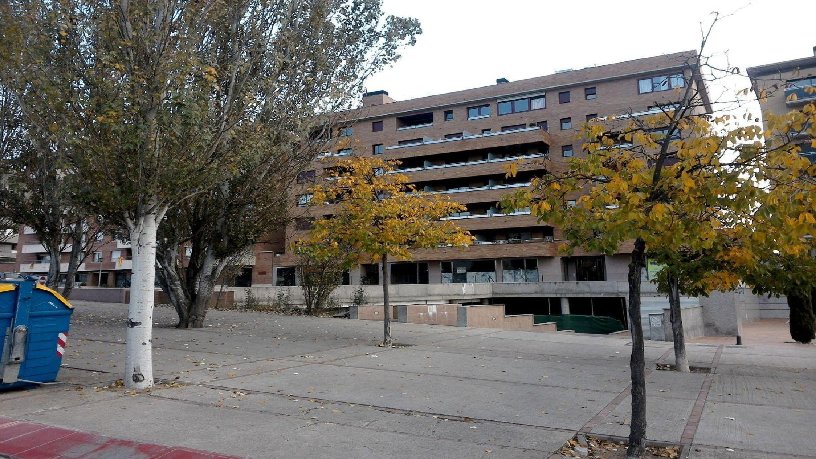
x: 55, y: 293
x: 7, y: 287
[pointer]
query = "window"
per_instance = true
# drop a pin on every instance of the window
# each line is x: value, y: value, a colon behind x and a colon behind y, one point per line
x: 473, y: 271
x: 571, y: 203
x: 304, y: 224
x: 306, y: 176
x: 377, y: 149
x: 564, y: 97
x: 455, y: 135
x: 590, y: 93
x: 566, y: 123
x: 304, y: 199
x: 418, y: 120
x: 409, y: 273
x: 97, y: 257
x: 797, y: 87
x: 285, y: 276
x: 543, y: 126
x: 486, y: 131
x: 345, y: 152
x: 520, y: 270
x: 525, y: 104
x: 480, y: 111
x: 591, y: 116
x: 661, y: 83
x: 100, y: 235
x: 448, y: 115
x: 376, y: 126
x: 566, y: 151
x: 514, y: 127
x: 369, y: 274
x: 410, y: 142
x: 346, y: 131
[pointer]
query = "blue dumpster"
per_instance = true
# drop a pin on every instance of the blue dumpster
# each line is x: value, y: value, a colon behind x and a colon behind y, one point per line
x: 33, y: 332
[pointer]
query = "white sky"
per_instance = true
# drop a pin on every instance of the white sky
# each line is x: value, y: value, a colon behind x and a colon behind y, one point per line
x: 467, y: 44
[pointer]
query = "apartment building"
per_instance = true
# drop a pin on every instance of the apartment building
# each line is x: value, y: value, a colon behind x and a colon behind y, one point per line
x: 460, y: 144
x: 108, y: 265
x: 780, y: 87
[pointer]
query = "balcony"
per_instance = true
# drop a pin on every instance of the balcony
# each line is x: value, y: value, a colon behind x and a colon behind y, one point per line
x: 468, y: 215
x: 480, y: 188
x: 465, y: 137
x: 470, y: 163
x: 797, y: 94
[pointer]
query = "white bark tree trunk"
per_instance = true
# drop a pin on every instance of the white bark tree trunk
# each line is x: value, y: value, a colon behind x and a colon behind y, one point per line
x: 139, y: 355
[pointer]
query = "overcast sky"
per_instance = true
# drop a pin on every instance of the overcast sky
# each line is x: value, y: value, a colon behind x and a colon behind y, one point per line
x: 469, y: 43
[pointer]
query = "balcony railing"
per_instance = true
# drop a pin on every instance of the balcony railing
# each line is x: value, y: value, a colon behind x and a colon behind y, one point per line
x: 464, y: 137
x: 469, y: 163
x: 461, y: 216
x: 796, y: 92
x: 480, y: 188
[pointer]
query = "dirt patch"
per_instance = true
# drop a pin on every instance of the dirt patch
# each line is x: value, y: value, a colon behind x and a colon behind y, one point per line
x: 606, y: 448
x: 671, y: 367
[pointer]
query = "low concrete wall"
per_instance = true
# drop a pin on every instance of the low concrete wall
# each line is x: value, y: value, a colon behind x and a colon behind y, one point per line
x: 693, y: 325
x: 773, y: 307
x: 430, y: 314
x: 373, y: 312
x: 492, y: 316
x: 122, y: 295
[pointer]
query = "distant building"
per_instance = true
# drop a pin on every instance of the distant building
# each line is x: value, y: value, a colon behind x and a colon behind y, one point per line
x: 459, y: 144
x: 780, y: 87
x: 108, y: 265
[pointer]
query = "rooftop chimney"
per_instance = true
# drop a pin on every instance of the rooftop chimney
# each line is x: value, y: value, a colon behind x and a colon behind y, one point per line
x: 376, y: 98
x: 502, y: 80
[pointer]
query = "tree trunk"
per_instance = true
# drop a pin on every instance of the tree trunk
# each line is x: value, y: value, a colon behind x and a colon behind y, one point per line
x: 75, y: 259
x: 138, y: 343
x: 203, y: 289
x: 680, y: 360
x: 637, y: 365
x: 53, y: 268
x: 802, y: 320
x: 386, y: 270
x: 172, y: 284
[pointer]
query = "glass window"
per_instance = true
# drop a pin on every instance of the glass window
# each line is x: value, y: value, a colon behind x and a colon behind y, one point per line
x: 589, y: 93
x: 346, y: 131
x: 538, y: 103
x: 304, y: 199
x: 480, y: 111
x: 566, y: 123
x: 543, y: 126
x: 591, y: 116
x: 376, y: 126
x: 677, y: 81
x: 521, y: 105
x: 566, y: 151
x: 564, y: 97
x: 660, y: 83
x: 448, y: 115
x: 456, y: 135
x: 377, y: 149
x: 505, y: 107
x: 306, y: 177
x: 645, y: 85
x: 286, y: 276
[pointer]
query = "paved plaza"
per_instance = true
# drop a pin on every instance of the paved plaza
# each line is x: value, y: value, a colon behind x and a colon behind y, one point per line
x: 263, y: 385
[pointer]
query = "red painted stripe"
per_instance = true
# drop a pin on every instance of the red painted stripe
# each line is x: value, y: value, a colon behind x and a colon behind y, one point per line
x: 26, y: 440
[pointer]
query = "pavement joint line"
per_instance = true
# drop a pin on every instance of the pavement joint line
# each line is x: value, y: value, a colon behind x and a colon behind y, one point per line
x: 696, y: 415
x: 610, y: 407
x: 503, y: 381
x: 385, y: 409
x: 741, y: 450
x: 372, y: 425
x: 53, y: 440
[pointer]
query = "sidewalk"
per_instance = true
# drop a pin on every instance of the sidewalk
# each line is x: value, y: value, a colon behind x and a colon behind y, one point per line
x: 27, y: 440
x: 260, y: 385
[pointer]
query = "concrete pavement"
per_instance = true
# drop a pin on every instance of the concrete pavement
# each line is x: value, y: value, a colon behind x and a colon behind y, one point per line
x: 263, y: 385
